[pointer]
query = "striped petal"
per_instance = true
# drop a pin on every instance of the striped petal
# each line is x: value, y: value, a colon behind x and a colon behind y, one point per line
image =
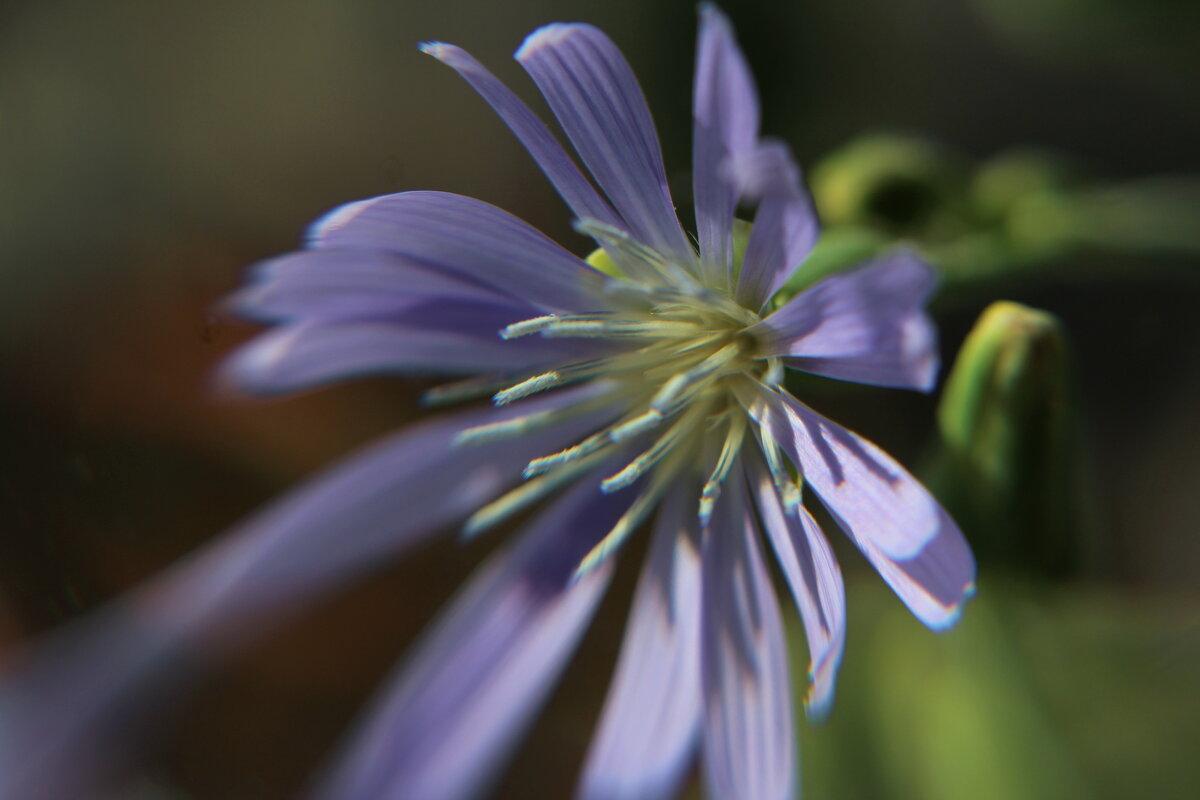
x: 338, y: 285
x: 647, y: 735
x: 785, y: 224
x: 866, y: 325
x: 67, y: 705
x: 596, y: 98
x: 892, y: 518
x: 725, y: 125
x: 575, y: 189
x: 468, y: 238
x: 815, y: 580
x: 749, y: 745
x: 454, y: 712
x: 298, y: 357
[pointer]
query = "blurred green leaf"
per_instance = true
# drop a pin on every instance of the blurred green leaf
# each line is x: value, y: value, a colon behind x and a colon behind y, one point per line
x: 1037, y: 695
x: 1018, y: 215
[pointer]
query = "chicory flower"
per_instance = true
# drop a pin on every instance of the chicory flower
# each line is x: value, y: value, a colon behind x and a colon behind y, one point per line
x: 646, y: 383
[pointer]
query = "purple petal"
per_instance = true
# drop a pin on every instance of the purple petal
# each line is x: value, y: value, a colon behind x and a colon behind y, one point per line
x: 647, y: 735
x: 785, y: 225
x: 867, y: 325
x: 816, y: 582
x: 725, y: 122
x: 596, y: 98
x: 575, y: 189
x: 75, y: 706
x: 892, y: 518
x: 67, y: 704
x: 464, y: 237
x: 749, y: 743
x: 301, y: 356
x: 331, y: 285
x: 454, y: 712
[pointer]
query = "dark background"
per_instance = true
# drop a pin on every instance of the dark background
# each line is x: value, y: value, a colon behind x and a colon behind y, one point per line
x: 150, y: 150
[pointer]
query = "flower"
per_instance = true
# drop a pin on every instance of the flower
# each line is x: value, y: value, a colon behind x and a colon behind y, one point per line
x: 648, y: 381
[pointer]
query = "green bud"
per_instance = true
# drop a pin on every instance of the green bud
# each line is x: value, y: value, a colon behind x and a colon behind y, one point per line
x: 1006, y: 430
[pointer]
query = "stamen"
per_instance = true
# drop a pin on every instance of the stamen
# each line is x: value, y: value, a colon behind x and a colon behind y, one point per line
x: 626, y: 525
x: 788, y: 489
x: 774, y: 374
x: 672, y: 392
x: 597, y: 324
x: 665, y: 396
x: 647, y: 459
x: 506, y: 429
x: 698, y: 342
x: 528, y: 326
x: 725, y: 462
x: 637, y: 425
x: 592, y: 444
x: 660, y: 481
x: 526, y: 387
x: 595, y: 443
x: 792, y: 496
x: 521, y: 497
x: 473, y: 388
x: 462, y: 390
x: 663, y: 329
x: 629, y: 253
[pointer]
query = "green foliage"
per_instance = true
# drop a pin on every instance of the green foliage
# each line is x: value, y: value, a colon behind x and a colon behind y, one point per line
x: 1037, y: 695
x: 1019, y: 216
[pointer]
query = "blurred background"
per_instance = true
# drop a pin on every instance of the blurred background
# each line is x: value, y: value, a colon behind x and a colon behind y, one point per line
x: 1040, y: 151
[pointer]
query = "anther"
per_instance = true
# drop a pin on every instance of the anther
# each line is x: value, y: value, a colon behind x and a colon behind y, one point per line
x: 626, y: 525
x: 528, y: 326
x: 638, y: 425
x: 729, y: 453
x: 656, y: 452
x: 521, y: 497
x: 526, y: 387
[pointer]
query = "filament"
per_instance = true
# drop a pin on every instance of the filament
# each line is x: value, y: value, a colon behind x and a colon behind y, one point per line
x: 729, y: 452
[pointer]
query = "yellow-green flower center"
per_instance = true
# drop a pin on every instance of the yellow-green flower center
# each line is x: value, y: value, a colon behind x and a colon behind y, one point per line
x: 675, y: 356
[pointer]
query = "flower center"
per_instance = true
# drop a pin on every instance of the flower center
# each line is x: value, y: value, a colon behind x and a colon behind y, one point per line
x: 672, y: 355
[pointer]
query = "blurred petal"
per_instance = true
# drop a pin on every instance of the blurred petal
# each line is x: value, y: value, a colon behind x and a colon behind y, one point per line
x: 647, y: 735
x: 464, y: 237
x: 66, y: 705
x: 596, y: 98
x: 785, y: 224
x: 301, y: 356
x: 331, y: 285
x: 749, y: 744
x: 892, y: 518
x: 867, y: 325
x: 575, y: 189
x: 453, y: 713
x: 74, y: 707
x: 815, y: 579
x: 725, y: 121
